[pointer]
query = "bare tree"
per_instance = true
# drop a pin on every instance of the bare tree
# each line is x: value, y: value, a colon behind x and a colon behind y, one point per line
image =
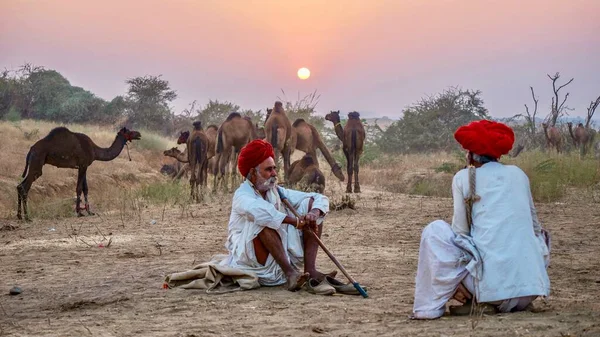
x: 557, y: 110
x: 531, y: 116
x: 590, y: 112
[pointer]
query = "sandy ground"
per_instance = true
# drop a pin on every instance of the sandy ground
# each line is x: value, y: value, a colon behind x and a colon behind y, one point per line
x: 72, y: 287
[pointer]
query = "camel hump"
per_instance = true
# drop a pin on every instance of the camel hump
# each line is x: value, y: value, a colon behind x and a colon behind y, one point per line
x: 56, y: 131
x: 197, y: 125
x: 298, y: 122
x: 232, y: 116
x: 212, y: 126
x: 353, y: 115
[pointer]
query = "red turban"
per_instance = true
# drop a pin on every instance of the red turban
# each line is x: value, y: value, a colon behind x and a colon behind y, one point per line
x: 253, y: 154
x: 486, y: 138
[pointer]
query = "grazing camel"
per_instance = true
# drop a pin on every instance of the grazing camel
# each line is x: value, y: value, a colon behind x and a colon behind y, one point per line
x: 582, y: 137
x: 306, y: 174
x: 65, y: 149
x: 352, y: 137
x: 553, y: 137
x: 182, y: 165
x: 281, y: 135
x: 197, y: 150
x: 235, y: 132
x: 308, y: 140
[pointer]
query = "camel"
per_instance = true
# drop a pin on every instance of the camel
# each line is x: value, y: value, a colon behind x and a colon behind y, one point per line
x: 211, y: 133
x: 182, y: 165
x: 235, y: 132
x: 582, y: 137
x: 66, y: 149
x: 308, y: 140
x: 352, y: 136
x: 305, y: 172
x: 197, y: 150
x: 553, y: 137
x: 279, y: 132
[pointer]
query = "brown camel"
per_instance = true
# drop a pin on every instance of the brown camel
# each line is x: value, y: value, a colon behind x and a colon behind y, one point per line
x: 211, y: 133
x: 197, y: 151
x: 352, y: 136
x: 235, y: 132
x: 279, y: 132
x: 182, y: 165
x: 65, y: 149
x: 306, y: 174
x: 553, y: 137
x: 582, y: 137
x: 308, y: 141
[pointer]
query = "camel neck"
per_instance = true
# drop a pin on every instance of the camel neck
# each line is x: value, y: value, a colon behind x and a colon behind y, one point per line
x: 110, y: 153
x: 339, y: 130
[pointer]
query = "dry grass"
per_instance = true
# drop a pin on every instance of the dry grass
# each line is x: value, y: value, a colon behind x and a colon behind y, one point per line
x: 130, y: 186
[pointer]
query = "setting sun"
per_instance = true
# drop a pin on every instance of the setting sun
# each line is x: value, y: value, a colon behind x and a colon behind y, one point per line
x: 303, y: 73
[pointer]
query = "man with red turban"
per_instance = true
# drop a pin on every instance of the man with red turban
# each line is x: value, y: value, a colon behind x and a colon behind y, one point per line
x: 264, y: 238
x: 495, y: 252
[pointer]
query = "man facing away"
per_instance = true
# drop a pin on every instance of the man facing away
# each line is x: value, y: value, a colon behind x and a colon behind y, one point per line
x: 262, y: 237
x: 500, y: 257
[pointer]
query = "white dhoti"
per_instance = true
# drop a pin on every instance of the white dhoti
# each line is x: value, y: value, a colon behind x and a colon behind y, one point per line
x: 442, y: 266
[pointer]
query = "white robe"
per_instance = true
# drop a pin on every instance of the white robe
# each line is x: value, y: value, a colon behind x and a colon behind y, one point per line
x: 250, y: 214
x: 505, y: 251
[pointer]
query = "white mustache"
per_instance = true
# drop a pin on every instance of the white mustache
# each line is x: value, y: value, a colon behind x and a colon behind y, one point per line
x: 270, y: 182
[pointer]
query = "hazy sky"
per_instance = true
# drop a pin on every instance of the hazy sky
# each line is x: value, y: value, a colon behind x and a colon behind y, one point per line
x: 373, y: 56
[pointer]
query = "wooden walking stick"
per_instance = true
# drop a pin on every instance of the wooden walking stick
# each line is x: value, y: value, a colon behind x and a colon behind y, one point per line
x: 337, y: 263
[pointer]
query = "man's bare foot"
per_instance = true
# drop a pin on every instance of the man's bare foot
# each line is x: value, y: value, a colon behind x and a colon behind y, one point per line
x: 317, y: 275
x: 296, y: 281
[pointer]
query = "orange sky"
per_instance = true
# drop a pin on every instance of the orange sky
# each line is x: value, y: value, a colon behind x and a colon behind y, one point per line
x: 374, y: 56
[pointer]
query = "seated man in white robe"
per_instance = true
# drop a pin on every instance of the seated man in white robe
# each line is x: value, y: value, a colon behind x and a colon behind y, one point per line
x: 495, y: 252
x: 264, y: 238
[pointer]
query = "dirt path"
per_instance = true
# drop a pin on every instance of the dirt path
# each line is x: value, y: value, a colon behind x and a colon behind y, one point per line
x: 72, y: 289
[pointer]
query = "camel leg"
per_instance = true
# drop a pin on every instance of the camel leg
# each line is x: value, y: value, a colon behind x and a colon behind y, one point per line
x: 22, y: 191
x: 85, y: 195
x: 233, y: 171
x: 349, y: 168
x: 79, y: 190
x: 226, y: 158
x: 286, y: 162
x: 356, y: 183
x: 35, y: 171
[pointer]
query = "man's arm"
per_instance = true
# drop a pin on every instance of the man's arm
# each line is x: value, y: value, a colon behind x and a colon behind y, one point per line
x: 459, y: 219
x: 320, y: 202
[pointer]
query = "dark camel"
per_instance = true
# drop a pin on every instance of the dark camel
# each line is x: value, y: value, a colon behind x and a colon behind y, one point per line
x: 211, y: 133
x: 65, y: 149
x: 352, y: 136
x: 553, y: 137
x: 582, y: 137
x: 308, y: 141
x: 305, y: 172
x: 197, y: 151
x: 279, y: 133
x: 235, y: 132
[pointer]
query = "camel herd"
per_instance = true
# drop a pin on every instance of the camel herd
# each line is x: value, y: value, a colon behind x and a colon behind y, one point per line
x: 213, y: 149
x: 226, y: 141
x: 582, y: 137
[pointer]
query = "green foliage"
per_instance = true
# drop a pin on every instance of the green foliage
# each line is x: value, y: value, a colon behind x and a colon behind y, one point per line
x: 429, y: 125
x: 13, y: 115
x: 148, y: 99
x: 216, y: 112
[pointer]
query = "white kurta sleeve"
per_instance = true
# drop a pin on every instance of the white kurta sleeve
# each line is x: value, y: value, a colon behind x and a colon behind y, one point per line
x: 258, y: 210
x: 459, y: 219
x: 320, y: 202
